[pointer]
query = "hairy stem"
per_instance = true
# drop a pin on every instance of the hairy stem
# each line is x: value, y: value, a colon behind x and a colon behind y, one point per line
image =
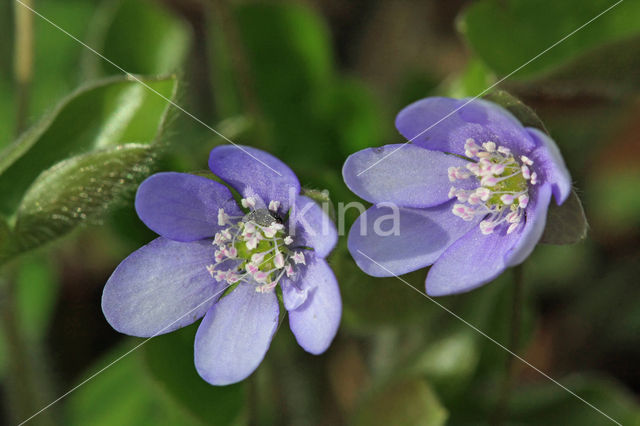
x: 23, y: 61
x: 501, y: 411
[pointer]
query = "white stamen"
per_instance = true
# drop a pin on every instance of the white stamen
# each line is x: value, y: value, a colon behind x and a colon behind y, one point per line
x: 248, y: 202
x: 526, y: 160
x: 274, y: 206
x: 489, y: 146
x: 223, y: 218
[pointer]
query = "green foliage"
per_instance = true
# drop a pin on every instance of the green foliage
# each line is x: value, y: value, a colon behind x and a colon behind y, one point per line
x: 36, y: 294
x: 56, y: 55
x: 605, y: 71
x: 139, y: 36
x: 402, y: 402
x: 90, y: 124
x: 507, y: 34
x: 276, y: 86
x: 545, y: 404
x: 80, y: 189
x: 615, y: 199
x: 289, y: 64
x: 474, y: 79
x: 451, y: 360
x: 123, y: 395
x: 5, y: 239
x: 372, y: 303
x: 99, y: 116
x: 169, y: 360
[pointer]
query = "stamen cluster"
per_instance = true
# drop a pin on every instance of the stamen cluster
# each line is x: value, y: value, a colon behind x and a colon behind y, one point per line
x: 253, y: 248
x: 503, y: 194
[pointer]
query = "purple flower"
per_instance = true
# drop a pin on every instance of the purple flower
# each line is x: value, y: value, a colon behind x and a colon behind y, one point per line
x: 472, y: 194
x: 218, y: 260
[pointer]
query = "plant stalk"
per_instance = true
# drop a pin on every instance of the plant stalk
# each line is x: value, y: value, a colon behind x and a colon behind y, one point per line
x: 23, y: 61
x: 502, y: 408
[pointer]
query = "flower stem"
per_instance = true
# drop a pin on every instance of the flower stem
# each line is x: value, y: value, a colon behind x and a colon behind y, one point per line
x: 501, y: 411
x: 23, y: 61
x: 25, y: 388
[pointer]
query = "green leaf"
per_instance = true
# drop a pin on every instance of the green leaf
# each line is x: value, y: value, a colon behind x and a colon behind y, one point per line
x: 408, y: 401
x: 169, y: 359
x: 99, y: 116
x: 566, y: 224
x: 291, y: 37
x: 125, y: 395
x: 515, y: 106
x: 507, y: 34
x: 161, y: 39
x: 79, y: 189
x: 473, y: 80
x: 606, y: 71
x: 353, y: 114
x: 548, y: 404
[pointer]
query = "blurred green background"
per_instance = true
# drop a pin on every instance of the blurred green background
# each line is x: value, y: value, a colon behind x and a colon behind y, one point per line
x: 311, y: 82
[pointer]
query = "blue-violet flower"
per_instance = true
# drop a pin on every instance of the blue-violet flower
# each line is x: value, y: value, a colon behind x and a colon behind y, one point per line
x: 472, y: 194
x: 224, y: 262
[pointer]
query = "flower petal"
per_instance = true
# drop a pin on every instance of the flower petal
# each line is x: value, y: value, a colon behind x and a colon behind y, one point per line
x: 421, y: 237
x: 183, y: 207
x: 473, y: 260
x: 312, y: 227
x: 444, y: 124
x: 292, y: 295
x: 547, y: 155
x: 534, y: 226
x: 252, y: 171
x: 315, y: 323
x: 405, y: 174
x: 234, y: 336
x: 160, y: 287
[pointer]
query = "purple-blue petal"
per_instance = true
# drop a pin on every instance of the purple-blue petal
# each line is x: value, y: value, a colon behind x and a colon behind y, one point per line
x: 547, y: 157
x: 293, y: 294
x: 534, y: 226
x: 315, y: 322
x: 252, y: 171
x: 235, y: 334
x: 183, y: 207
x: 160, y: 287
x: 405, y: 174
x: 473, y: 260
x: 311, y: 227
x: 444, y: 124
x: 423, y: 235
